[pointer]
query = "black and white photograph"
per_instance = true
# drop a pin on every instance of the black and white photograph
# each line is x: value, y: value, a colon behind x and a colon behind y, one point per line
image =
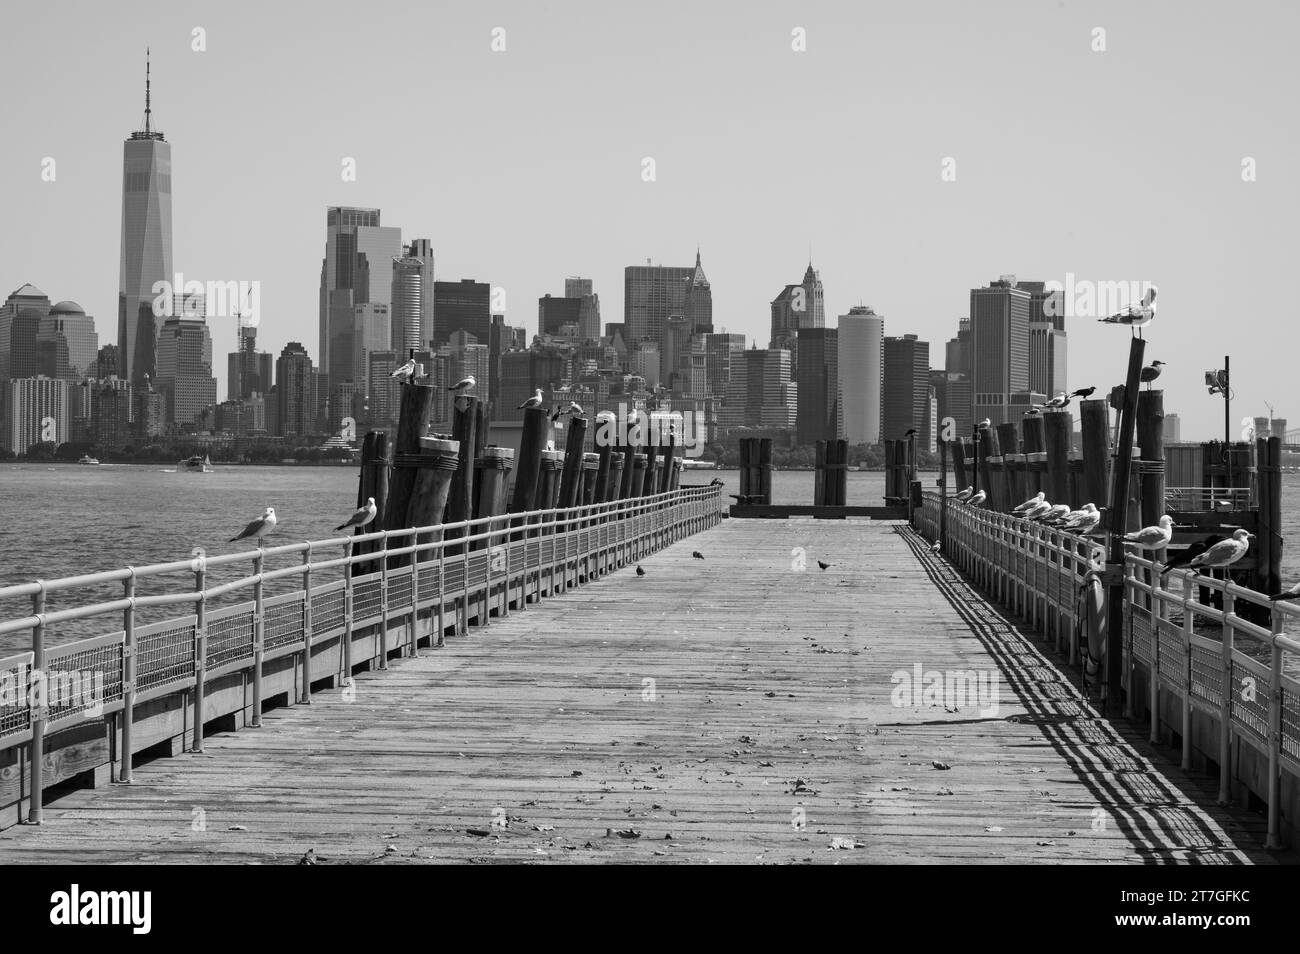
x: 560, y: 432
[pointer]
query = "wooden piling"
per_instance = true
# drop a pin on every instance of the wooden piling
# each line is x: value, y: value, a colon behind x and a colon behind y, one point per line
x: 438, y: 460
x: 840, y: 475
x: 496, y: 466
x: 1056, y: 435
x: 988, y: 450
x: 617, y: 460
x: 604, y: 451
x: 638, y: 472
x: 548, y: 486
x: 590, y: 477
x: 669, y: 454
x: 957, y: 450
x: 1151, y: 440
x: 1035, y: 456
x: 373, y: 482
x: 651, y: 454
x: 1012, y: 479
x: 819, y: 474
x: 571, y: 477
x: 1118, y: 527
x: 765, y: 471
x: 1095, y: 434
x: 460, y: 498
x: 1269, y: 539
x: 529, y: 464
x: 629, y: 456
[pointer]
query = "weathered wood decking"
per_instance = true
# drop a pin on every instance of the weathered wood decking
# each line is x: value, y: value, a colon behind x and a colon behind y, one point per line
x: 769, y: 738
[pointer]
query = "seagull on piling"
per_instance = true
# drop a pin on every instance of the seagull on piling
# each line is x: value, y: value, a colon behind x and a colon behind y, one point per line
x: 1292, y: 593
x: 534, y: 401
x: 983, y: 425
x: 362, y: 516
x: 1057, y: 403
x: 258, y: 528
x: 1153, y: 538
x: 965, y: 494
x: 1032, y: 502
x: 1138, y: 316
x: 1191, y: 553
x: 572, y: 408
x: 1224, y: 553
x: 464, y: 384
x: 978, y: 499
x: 406, y: 371
x: 1083, y: 392
x: 1151, y: 372
x: 910, y: 432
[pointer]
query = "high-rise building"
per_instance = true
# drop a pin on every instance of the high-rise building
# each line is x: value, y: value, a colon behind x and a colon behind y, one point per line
x: 412, y: 298
x: 720, y: 350
x: 295, y: 385
x: 522, y: 372
x: 651, y: 293
x: 861, y: 350
x: 465, y: 305
x: 33, y: 411
x: 554, y: 313
x: 383, y: 400
x: 107, y: 362
x: 248, y: 371
x: 66, y: 343
x: 798, y: 306
x: 469, y: 357
x: 819, y: 413
x: 999, y: 351
x: 646, y: 363
x: 1047, y: 358
x: 146, y: 253
x: 588, y: 311
x: 957, y: 351
x: 760, y: 392
x: 357, y: 270
x: 20, y: 325
x: 111, y: 413
x: 906, y: 402
x: 184, y: 360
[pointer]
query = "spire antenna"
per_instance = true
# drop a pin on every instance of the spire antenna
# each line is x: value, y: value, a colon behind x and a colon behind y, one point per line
x: 147, y: 110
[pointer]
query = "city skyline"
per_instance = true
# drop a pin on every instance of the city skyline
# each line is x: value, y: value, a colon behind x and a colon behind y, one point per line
x: 1101, y: 195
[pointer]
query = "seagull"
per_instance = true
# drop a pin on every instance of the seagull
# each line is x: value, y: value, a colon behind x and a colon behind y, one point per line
x: 910, y: 432
x: 1224, y: 553
x: 639, y: 571
x: 983, y: 425
x: 965, y: 494
x: 464, y: 384
x: 572, y: 408
x: 1288, y: 594
x: 979, y: 499
x: 1193, y: 551
x: 1083, y: 392
x: 1151, y: 372
x: 1055, y: 513
x: 534, y: 401
x: 362, y: 516
x: 1056, y: 403
x: 934, y: 547
x: 824, y: 565
x: 1084, y: 519
x: 697, y: 555
x: 1153, y: 538
x: 715, y: 482
x: 1031, y: 412
x: 259, y: 527
x: 1040, y: 509
x: 1136, y: 316
x: 1033, y: 501
x: 405, y: 371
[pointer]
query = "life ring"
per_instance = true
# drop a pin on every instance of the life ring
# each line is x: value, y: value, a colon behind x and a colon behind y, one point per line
x: 1092, y: 622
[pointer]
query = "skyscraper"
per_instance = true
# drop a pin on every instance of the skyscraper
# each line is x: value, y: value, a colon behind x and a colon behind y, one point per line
x: 797, y: 306
x: 33, y: 410
x: 721, y: 349
x: 248, y: 371
x: 861, y: 353
x: 999, y: 348
x: 819, y: 385
x: 906, y: 402
x: 555, y: 313
x: 412, y: 299
x: 465, y: 305
x: 146, y: 254
x: 651, y: 293
x: 357, y: 270
x: 184, y: 359
x: 1047, y: 342
x: 20, y: 323
x: 294, y: 382
x: 66, y: 343
x: 588, y: 311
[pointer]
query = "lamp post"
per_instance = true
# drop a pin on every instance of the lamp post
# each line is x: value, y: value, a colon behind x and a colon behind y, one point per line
x: 1216, y: 382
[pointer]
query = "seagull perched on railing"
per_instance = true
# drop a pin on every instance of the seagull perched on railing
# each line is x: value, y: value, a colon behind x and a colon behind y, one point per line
x: 1293, y: 593
x: 258, y: 528
x: 534, y: 401
x: 1032, y: 502
x: 965, y: 494
x: 978, y: 499
x: 1136, y: 316
x: 1153, y: 538
x: 1084, y: 520
x: 464, y: 384
x: 1040, y: 509
x: 1055, y: 514
x: 1224, y: 553
x: 362, y: 516
x: 1191, y: 553
x: 405, y: 371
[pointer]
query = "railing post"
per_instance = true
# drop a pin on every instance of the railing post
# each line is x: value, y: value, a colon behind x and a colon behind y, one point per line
x: 347, y: 613
x: 128, y: 675
x: 1188, y: 624
x: 1275, y: 740
x: 442, y: 591
x: 38, y: 701
x: 200, y: 649
x: 1225, y: 709
x: 259, y: 619
x: 304, y: 697
x: 413, y: 541
x: 383, y: 601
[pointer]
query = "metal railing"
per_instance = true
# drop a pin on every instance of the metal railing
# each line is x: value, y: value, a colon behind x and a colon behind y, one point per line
x: 1209, y: 660
x: 421, y: 569
x: 1207, y: 498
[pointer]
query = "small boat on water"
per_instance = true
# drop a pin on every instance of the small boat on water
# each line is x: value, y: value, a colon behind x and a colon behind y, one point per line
x: 195, y: 465
x: 87, y: 459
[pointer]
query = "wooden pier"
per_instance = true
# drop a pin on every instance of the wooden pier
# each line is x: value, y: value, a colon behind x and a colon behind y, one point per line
x: 739, y: 708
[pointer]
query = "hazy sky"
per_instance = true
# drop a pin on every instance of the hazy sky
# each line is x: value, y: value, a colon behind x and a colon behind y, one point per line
x: 525, y: 166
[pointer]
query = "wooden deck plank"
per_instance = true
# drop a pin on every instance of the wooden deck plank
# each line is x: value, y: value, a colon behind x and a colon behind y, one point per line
x: 771, y: 733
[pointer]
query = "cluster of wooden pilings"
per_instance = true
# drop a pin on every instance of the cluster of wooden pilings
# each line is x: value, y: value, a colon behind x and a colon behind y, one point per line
x: 831, y: 473
x: 755, y: 471
x: 900, y: 470
x: 423, y: 480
